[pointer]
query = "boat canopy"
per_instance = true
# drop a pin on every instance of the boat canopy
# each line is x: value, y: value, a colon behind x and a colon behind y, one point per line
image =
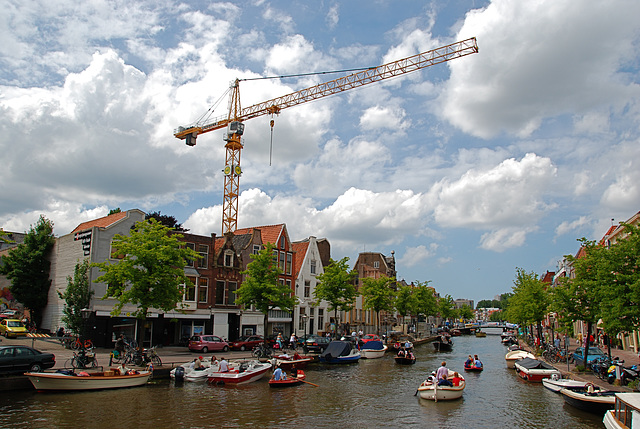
x: 534, y: 364
x: 372, y: 345
x: 335, y: 349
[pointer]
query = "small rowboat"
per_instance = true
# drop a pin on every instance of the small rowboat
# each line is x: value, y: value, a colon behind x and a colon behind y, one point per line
x: 87, y: 381
x: 404, y: 360
x: 473, y: 368
x: 290, y: 381
x: 430, y: 390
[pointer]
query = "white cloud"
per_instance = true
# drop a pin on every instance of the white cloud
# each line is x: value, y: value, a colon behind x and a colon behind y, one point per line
x: 333, y: 16
x: 417, y: 255
x: 502, y: 239
x: 567, y: 227
x: 379, y: 117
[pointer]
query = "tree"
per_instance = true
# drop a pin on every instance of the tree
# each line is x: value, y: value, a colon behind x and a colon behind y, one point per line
x: 446, y: 307
x: 335, y: 285
x: 76, y: 296
x: 405, y: 303
x: 425, y: 301
x: 169, y: 221
x: 378, y: 295
x: 4, y: 237
x: 466, y: 312
x: 114, y: 211
x: 151, y: 271
x: 27, y: 266
x: 530, y: 302
x: 262, y: 288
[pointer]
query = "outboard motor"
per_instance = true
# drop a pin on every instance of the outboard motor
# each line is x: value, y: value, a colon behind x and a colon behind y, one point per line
x: 179, y: 374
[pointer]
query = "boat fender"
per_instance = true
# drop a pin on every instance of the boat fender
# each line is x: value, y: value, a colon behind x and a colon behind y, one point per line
x: 179, y: 374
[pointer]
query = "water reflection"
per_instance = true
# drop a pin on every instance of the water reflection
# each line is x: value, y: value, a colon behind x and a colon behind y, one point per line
x: 374, y: 392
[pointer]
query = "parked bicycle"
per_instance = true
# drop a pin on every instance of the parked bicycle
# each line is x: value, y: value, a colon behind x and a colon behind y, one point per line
x: 261, y: 351
x: 85, y: 358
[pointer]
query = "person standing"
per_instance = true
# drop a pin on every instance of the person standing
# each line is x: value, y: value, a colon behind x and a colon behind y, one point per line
x: 442, y: 374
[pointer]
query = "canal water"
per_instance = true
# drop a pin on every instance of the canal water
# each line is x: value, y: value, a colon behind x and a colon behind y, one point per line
x: 370, y: 393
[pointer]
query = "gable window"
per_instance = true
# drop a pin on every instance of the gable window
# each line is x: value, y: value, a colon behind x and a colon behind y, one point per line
x: 192, y: 247
x: 228, y: 258
x: 190, y: 290
x: 203, y: 289
x: 376, y: 264
x: 312, y: 264
x: 203, y: 250
x: 307, y: 288
x: 282, y: 242
x: 256, y: 249
x: 220, y: 292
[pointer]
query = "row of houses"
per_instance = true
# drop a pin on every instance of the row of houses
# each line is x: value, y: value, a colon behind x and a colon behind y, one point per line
x: 209, y: 305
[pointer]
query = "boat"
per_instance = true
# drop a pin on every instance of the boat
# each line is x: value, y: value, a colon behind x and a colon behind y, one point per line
x: 247, y: 372
x: 480, y: 334
x: 591, y: 400
x: 443, y: 342
x: 626, y: 406
x: 534, y: 370
x: 287, y: 362
x: 456, y: 332
x: 429, y: 389
x: 69, y: 380
x: 556, y: 383
x: 515, y: 355
x: 373, y: 350
x: 407, y: 359
x: 473, y: 368
x: 508, y: 341
x: 289, y: 381
x: 339, y: 352
x: 187, y: 372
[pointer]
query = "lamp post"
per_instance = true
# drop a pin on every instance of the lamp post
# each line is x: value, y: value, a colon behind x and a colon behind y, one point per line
x: 304, y: 317
x: 85, y: 313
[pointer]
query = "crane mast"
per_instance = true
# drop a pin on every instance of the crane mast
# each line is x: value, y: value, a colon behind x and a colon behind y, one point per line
x: 233, y: 121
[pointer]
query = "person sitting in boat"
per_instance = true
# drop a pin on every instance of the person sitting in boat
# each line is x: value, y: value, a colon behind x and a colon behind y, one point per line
x: 294, y: 372
x: 401, y: 353
x: 456, y: 379
x: 476, y: 362
x: 469, y: 362
x: 197, y: 364
x: 214, y: 360
x: 224, y: 366
x: 296, y: 356
x: 410, y: 355
x: 442, y: 374
x: 278, y: 374
x: 407, y: 345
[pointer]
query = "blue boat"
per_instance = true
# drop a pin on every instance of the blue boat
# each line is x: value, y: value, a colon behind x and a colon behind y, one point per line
x: 339, y: 352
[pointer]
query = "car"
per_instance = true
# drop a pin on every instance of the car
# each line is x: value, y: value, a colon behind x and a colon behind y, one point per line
x: 370, y: 337
x: 12, y: 328
x: 20, y: 359
x: 206, y: 343
x: 354, y: 340
x: 316, y: 344
x: 594, y: 353
x: 246, y: 343
x: 9, y: 313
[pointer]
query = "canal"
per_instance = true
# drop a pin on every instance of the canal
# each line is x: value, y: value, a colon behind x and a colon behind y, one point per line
x: 370, y: 393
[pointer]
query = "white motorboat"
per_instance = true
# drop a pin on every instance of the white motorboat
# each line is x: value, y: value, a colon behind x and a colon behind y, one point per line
x: 555, y: 383
x: 187, y: 372
x: 110, y: 379
x: 534, y: 370
x: 591, y: 400
x: 516, y: 355
x: 247, y: 372
x: 373, y: 350
x: 430, y: 390
x: 627, y: 406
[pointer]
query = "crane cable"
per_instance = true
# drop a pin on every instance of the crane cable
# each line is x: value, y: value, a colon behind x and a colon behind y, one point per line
x: 306, y: 74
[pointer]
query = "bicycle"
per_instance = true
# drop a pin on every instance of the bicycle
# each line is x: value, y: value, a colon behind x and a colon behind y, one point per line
x: 261, y: 352
x: 84, y: 359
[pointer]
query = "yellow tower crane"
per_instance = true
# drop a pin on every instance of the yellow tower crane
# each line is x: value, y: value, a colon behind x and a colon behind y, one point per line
x: 237, y: 115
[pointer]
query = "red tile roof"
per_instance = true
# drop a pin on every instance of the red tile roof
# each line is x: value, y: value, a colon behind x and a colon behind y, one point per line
x: 269, y: 233
x: 300, y: 248
x: 102, y: 222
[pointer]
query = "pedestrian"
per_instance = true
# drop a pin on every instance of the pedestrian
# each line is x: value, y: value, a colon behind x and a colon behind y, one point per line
x: 556, y: 342
x: 579, y: 339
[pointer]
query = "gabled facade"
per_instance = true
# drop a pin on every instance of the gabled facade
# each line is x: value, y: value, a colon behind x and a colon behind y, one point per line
x: 309, y: 317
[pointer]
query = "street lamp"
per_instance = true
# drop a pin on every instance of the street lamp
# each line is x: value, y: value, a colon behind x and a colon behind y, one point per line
x: 85, y: 313
x: 304, y: 317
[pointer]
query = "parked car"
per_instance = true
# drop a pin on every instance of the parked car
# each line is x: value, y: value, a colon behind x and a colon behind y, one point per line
x: 12, y: 328
x: 246, y: 343
x: 594, y: 353
x: 316, y: 344
x: 20, y: 359
x: 370, y: 337
x: 206, y: 343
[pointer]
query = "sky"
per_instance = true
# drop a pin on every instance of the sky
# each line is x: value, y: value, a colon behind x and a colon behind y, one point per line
x: 465, y: 170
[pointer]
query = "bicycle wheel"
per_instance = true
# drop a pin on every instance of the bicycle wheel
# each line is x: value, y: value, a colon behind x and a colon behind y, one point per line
x: 156, y: 361
x: 77, y: 363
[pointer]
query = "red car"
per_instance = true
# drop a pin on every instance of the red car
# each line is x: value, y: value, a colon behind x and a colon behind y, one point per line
x: 370, y: 337
x: 246, y: 343
x: 205, y: 343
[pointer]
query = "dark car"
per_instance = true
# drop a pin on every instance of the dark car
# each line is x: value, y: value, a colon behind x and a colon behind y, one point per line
x: 21, y: 359
x: 246, y: 343
x: 316, y: 344
x: 205, y: 343
x: 594, y: 353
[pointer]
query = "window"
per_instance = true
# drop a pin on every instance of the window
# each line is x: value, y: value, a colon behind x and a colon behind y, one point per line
x: 203, y: 289
x: 289, y: 261
x: 320, y: 318
x: 203, y: 250
x: 256, y: 249
x: 313, y: 266
x: 233, y: 286
x: 192, y: 247
x: 219, y: 292
x: 301, y: 322
x: 282, y: 242
x: 275, y: 256
x: 281, y: 264
x: 190, y: 290
x: 307, y: 288
x: 376, y: 264
x: 228, y: 258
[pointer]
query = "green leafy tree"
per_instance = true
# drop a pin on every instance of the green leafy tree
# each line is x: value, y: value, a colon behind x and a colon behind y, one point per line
x: 114, y: 211
x: 466, y: 312
x: 335, y: 285
x: 425, y: 300
x: 262, y: 288
x: 76, y: 296
x: 446, y: 307
x: 27, y: 266
x: 405, y: 303
x: 378, y: 295
x: 497, y: 316
x: 4, y: 237
x: 151, y: 272
x: 529, y: 304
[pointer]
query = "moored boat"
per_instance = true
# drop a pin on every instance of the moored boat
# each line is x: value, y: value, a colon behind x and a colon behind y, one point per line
x: 627, y: 405
x: 480, y: 334
x: 534, y: 370
x: 443, y: 342
x: 593, y: 401
x: 373, y: 350
x: 339, y: 352
x: 288, y: 362
x: 87, y: 381
x: 516, y: 355
x: 430, y: 390
x: 247, y: 372
x: 289, y: 381
x: 556, y: 383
